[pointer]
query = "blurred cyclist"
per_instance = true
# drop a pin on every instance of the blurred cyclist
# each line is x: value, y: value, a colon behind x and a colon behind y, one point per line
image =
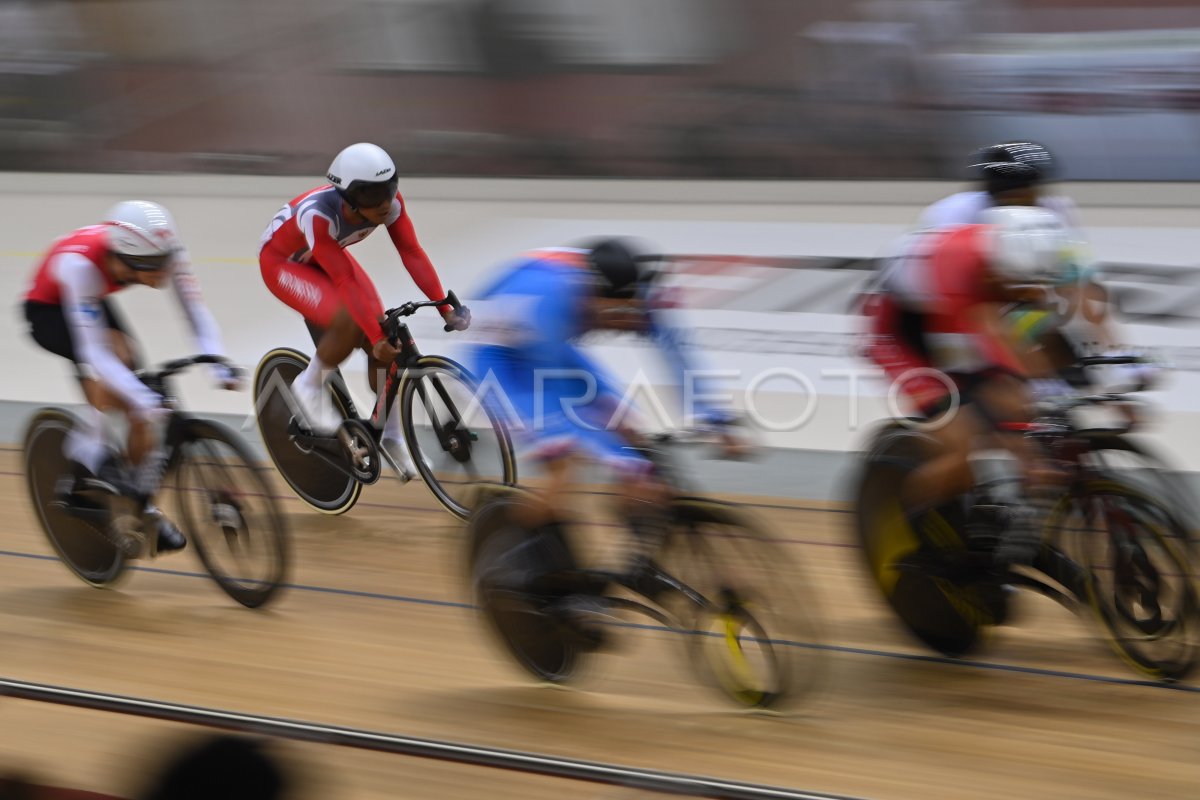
x: 69, y: 315
x: 938, y: 332
x: 566, y: 406
x: 305, y: 264
x: 1009, y: 174
x: 1073, y: 315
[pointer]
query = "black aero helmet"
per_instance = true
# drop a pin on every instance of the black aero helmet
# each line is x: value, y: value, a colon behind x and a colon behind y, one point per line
x: 1012, y: 165
x: 619, y: 264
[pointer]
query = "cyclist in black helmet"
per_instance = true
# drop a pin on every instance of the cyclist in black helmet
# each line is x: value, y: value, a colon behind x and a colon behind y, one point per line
x: 556, y: 397
x: 1074, y: 315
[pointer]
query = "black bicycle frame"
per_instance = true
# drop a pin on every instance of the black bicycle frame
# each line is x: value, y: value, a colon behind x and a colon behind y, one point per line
x: 407, y: 360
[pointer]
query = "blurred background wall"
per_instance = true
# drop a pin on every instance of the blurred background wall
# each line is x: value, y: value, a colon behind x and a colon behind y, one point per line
x: 642, y: 88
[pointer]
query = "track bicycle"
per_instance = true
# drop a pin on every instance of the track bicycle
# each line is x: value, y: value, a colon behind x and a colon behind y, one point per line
x: 740, y: 603
x: 1110, y: 542
x: 456, y: 444
x: 225, y: 506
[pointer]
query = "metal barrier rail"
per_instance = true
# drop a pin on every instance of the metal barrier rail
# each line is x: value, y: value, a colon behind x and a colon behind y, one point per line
x: 596, y: 772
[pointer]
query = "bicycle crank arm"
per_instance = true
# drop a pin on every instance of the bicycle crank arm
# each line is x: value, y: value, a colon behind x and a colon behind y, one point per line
x: 1064, y: 571
x: 1043, y: 588
x: 336, y: 463
x: 96, y: 515
x: 650, y: 611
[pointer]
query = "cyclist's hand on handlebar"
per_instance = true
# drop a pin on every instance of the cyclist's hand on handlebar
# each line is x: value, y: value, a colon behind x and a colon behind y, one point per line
x: 734, y: 447
x: 384, y: 351
x: 1042, y: 396
x: 1049, y: 389
x: 457, y: 319
x: 229, y: 378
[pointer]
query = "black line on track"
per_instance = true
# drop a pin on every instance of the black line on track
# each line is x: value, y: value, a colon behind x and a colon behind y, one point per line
x: 844, y: 649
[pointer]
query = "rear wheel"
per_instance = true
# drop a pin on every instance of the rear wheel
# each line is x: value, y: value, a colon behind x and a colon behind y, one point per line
x: 229, y: 513
x: 317, y: 482
x: 946, y: 617
x: 79, y: 543
x: 504, y: 558
x: 459, y: 446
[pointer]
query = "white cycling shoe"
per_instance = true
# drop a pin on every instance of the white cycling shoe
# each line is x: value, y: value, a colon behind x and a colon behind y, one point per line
x: 316, y: 409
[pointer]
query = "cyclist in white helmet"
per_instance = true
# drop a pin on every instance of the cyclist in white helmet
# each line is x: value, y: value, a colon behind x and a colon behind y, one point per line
x: 1073, y: 315
x: 69, y: 315
x: 305, y: 264
x: 937, y: 329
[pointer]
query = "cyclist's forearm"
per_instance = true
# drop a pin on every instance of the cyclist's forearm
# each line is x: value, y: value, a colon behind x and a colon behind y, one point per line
x: 111, y: 372
x: 205, y: 331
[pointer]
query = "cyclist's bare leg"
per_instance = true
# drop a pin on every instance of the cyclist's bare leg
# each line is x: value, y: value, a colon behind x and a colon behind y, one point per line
x: 643, y: 505
x: 948, y: 474
x: 1009, y: 399
x: 87, y: 443
x: 142, y: 453
x: 334, y: 343
x: 143, y: 438
x: 339, y: 339
x: 548, y: 504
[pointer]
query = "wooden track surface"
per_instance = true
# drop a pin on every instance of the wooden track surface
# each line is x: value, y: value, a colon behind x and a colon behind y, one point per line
x: 376, y: 633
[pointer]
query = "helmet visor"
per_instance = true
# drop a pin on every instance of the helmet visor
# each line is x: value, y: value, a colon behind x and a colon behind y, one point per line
x: 372, y: 195
x: 145, y: 263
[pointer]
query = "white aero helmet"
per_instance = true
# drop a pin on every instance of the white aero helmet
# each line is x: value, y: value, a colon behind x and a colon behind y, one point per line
x: 142, y: 234
x: 364, y: 175
x: 1027, y: 244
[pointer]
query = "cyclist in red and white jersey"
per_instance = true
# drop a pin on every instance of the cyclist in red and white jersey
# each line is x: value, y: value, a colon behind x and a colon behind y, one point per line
x: 69, y: 315
x: 937, y: 329
x: 305, y: 264
x: 1074, y: 316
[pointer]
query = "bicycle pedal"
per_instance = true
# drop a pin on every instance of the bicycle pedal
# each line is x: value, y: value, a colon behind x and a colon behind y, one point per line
x: 226, y: 515
x: 126, y: 534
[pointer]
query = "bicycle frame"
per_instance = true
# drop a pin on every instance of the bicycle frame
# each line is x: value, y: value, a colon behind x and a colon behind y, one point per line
x: 406, y: 362
x: 174, y: 436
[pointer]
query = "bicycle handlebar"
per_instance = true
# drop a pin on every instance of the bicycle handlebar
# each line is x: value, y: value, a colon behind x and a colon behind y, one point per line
x: 391, y: 317
x: 1106, y: 361
x: 169, y: 368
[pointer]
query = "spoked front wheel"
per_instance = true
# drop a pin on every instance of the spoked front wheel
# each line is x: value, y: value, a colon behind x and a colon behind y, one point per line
x: 504, y: 557
x: 1141, y: 584
x: 229, y: 514
x: 80, y: 544
x: 327, y: 487
x: 756, y: 637
x: 457, y: 443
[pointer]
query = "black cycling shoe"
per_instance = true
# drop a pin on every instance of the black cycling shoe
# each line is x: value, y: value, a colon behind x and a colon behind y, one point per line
x: 170, y: 538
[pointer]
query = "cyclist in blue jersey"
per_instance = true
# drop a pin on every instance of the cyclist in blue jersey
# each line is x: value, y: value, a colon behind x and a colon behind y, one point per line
x: 565, y: 406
